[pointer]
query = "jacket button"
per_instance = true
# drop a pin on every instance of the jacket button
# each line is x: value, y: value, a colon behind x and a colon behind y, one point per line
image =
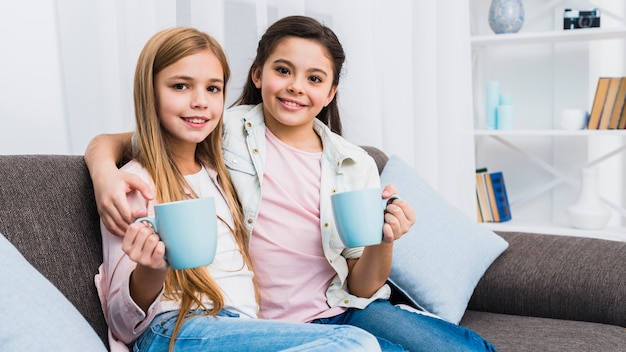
x: 249, y: 124
x: 255, y: 151
x: 249, y: 221
x: 346, y: 301
x: 235, y: 161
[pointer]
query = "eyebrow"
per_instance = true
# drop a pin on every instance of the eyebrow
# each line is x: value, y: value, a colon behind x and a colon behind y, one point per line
x: 288, y: 63
x: 188, y: 78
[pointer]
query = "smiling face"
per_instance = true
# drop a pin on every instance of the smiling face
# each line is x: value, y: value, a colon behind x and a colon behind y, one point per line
x: 296, y: 83
x: 190, y: 98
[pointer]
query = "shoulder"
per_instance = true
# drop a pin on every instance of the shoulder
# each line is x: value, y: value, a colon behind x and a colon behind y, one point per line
x: 337, y: 147
x: 236, y: 114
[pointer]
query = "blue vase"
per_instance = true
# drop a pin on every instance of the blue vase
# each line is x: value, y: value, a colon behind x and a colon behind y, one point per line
x: 506, y: 16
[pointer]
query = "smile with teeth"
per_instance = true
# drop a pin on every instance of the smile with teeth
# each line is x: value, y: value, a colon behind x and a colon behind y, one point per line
x: 195, y: 120
x: 291, y: 103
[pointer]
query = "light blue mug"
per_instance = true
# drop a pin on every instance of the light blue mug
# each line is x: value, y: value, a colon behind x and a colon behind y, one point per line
x: 360, y: 216
x: 189, y: 230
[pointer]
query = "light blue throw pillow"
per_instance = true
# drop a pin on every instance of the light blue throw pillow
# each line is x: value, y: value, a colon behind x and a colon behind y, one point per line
x: 439, y: 262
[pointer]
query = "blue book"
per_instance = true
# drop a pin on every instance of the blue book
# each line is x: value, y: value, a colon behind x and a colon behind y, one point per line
x: 502, y: 200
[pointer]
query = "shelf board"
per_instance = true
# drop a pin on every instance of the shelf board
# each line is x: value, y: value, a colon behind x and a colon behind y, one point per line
x: 609, y: 233
x: 550, y: 133
x: 586, y: 34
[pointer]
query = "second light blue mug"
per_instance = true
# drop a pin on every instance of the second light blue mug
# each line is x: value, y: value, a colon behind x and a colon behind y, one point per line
x: 359, y: 216
x: 188, y: 228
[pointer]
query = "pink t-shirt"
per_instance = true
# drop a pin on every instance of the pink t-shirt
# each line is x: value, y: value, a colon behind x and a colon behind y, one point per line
x: 286, y: 244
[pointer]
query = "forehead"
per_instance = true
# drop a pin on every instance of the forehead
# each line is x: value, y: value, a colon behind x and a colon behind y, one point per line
x: 203, y: 64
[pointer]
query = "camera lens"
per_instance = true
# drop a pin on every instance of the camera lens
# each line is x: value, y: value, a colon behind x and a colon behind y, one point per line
x: 584, y: 22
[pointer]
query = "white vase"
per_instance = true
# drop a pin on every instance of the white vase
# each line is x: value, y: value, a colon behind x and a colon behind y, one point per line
x: 589, y: 212
x: 506, y: 16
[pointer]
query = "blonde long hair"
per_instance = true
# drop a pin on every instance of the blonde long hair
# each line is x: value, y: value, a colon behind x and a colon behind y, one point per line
x: 163, y: 49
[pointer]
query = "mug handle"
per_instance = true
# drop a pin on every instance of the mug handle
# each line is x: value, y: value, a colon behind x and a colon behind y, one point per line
x: 386, y: 201
x: 154, y: 226
x: 150, y: 220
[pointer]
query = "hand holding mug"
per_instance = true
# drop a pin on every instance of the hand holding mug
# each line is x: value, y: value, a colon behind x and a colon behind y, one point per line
x: 359, y: 216
x: 188, y: 228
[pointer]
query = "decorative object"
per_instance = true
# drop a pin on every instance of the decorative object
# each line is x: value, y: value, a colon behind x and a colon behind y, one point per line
x: 438, y: 263
x: 492, y: 101
x: 574, y: 119
x: 505, y: 112
x: 588, y: 212
x: 506, y: 16
x: 506, y: 117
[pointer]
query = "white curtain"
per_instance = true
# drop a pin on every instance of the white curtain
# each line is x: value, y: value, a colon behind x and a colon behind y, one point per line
x: 406, y: 87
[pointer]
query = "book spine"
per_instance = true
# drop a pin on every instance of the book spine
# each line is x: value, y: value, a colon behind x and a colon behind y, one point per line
x: 502, y: 199
x: 493, y: 205
x: 483, y: 201
x: 598, y: 103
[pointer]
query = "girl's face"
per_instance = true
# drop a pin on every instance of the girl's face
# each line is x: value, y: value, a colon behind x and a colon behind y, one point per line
x: 296, y: 83
x: 190, y: 98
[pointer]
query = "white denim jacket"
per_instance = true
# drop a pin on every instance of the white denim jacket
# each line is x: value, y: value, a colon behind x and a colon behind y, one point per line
x: 344, y: 167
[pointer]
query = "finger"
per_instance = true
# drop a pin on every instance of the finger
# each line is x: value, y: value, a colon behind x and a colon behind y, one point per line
x: 113, y: 227
x: 136, y: 183
x: 403, y: 211
x: 158, y: 255
x: 389, y: 190
x: 388, y: 234
x: 392, y: 221
x: 134, y: 242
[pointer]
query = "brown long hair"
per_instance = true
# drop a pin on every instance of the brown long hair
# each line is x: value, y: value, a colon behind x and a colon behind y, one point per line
x: 163, y: 49
x: 300, y: 27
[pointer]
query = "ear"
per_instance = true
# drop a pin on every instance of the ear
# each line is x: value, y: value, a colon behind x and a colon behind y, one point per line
x: 331, y: 95
x: 256, y: 77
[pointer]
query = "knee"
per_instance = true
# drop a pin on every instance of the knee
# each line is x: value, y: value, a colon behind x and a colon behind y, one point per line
x: 356, y: 339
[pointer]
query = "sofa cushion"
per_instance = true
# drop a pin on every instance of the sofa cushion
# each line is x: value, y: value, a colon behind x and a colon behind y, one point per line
x: 437, y: 264
x: 531, y: 334
x: 550, y: 276
x: 48, y: 212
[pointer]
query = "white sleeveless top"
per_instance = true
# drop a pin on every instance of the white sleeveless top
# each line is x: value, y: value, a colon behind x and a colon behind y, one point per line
x: 228, y: 268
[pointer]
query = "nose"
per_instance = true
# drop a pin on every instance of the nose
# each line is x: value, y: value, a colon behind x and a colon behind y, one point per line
x: 296, y: 86
x: 199, y: 99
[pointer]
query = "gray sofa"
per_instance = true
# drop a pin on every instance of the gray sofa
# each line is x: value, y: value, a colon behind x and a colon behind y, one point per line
x: 545, y: 293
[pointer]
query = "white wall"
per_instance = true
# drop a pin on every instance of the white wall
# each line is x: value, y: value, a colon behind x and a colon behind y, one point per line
x: 31, y: 101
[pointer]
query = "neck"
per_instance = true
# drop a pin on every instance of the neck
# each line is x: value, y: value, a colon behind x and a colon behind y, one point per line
x: 185, y: 160
x: 299, y: 137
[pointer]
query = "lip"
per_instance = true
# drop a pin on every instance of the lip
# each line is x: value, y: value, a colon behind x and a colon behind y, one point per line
x: 291, y: 104
x: 195, y: 121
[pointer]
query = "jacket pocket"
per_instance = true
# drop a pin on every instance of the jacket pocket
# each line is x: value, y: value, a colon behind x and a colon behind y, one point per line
x: 236, y: 162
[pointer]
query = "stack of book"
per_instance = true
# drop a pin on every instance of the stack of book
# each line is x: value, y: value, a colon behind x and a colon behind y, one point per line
x: 609, y: 105
x: 492, y: 202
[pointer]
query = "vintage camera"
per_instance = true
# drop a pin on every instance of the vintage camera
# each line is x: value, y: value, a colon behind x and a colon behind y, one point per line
x: 573, y: 19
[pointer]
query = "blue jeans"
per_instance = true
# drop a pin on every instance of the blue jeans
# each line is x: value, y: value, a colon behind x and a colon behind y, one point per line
x: 228, y: 332
x: 415, y: 332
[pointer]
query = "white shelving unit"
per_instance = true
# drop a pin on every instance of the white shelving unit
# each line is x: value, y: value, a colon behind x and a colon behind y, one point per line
x: 557, y: 154
x: 588, y: 34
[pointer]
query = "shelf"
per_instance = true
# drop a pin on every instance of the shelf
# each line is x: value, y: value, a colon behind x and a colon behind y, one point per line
x: 609, y: 233
x: 548, y: 37
x: 555, y: 133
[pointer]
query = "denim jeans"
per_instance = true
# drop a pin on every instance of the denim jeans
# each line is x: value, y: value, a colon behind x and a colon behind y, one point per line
x: 394, y: 326
x: 228, y: 332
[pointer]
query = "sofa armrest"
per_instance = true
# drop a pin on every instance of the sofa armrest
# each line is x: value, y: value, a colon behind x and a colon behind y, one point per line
x: 560, y: 277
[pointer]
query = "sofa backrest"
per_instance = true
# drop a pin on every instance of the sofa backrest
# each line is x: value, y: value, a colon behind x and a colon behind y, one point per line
x: 48, y: 212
